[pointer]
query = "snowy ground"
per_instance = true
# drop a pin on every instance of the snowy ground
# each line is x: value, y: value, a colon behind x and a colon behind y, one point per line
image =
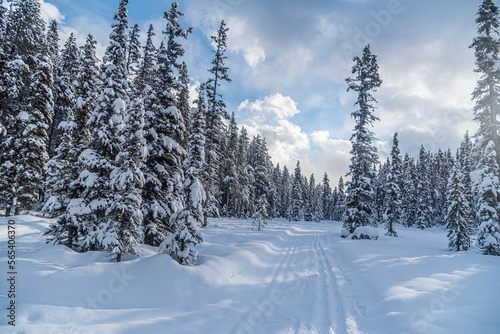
x: 290, y: 278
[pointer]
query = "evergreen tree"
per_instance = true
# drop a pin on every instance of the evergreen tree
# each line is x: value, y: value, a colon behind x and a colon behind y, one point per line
x: 133, y: 53
x: 26, y: 105
x: 64, y: 91
x: 162, y: 200
x: 379, y: 187
x: 466, y: 161
x: 489, y: 228
x: 123, y: 230
x: 99, y: 160
x: 486, y: 113
x: 31, y: 146
x: 258, y: 156
x: 259, y: 218
x: 310, y: 200
x: 215, y: 114
x: 364, y: 153
x: 325, y: 195
x: 146, y: 72
x: 487, y: 52
x: 296, y: 199
x: 286, y: 195
x: 229, y: 183
x: 180, y: 245
x: 65, y: 201
x: 458, y: 216
x: 318, y: 211
x: 409, y: 192
x: 53, y: 42
x: 340, y: 209
x: 243, y: 192
x: 393, y: 189
x: 193, y: 191
x: 183, y: 100
x: 424, y: 217
x: 275, y: 192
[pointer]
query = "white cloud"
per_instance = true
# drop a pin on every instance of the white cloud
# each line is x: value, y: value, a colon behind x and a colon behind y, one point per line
x: 242, y: 40
x: 320, y: 137
x: 194, y: 86
x: 276, y: 105
x: 50, y: 12
x: 269, y: 117
x: 272, y: 117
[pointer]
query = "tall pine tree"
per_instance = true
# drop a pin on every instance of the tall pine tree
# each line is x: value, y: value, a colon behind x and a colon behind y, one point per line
x: 216, y: 113
x: 364, y: 153
x: 457, y: 217
x: 393, y: 189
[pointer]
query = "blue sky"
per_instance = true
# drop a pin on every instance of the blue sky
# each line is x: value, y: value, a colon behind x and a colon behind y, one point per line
x: 288, y: 60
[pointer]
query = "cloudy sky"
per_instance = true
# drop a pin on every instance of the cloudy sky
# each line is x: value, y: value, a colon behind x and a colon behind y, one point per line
x: 289, y: 59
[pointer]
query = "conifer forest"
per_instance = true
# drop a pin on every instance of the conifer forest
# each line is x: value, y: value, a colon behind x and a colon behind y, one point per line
x: 117, y: 160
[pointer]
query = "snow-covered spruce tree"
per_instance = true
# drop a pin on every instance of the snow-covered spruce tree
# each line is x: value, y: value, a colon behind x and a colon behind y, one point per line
x: 488, y: 203
x: 183, y: 101
x: 229, y: 182
x: 409, y: 192
x: 467, y: 164
x: 275, y: 192
x: 216, y: 113
x: 3, y: 90
x: 86, y: 93
x: 340, y: 209
x: 146, y: 74
x: 296, y: 200
x: 260, y: 216
x: 318, y: 211
x: 75, y: 140
x: 379, y: 202
x: 364, y: 153
x: 326, y: 192
x: 26, y: 104
x: 487, y: 94
x: 393, y: 189
x: 60, y: 171
x: 165, y: 128
x: 133, y: 54
x: 457, y: 218
x: 124, y: 215
x: 424, y: 217
x: 285, y: 197
x: 64, y: 91
x: 31, y: 146
x: 180, y: 245
x: 258, y: 159
x: 53, y: 42
x: 100, y: 159
x: 60, y: 142
x: 3, y: 60
x: 310, y: 200
x: 439, y: 174
x: 243, y: 194
x: 486, y: 113
x: 192, y: 189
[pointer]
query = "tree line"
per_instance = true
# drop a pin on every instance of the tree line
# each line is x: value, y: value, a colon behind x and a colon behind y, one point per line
x: 114, y: 150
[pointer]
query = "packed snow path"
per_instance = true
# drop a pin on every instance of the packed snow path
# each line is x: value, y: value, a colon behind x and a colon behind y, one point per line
x: 292, y: 277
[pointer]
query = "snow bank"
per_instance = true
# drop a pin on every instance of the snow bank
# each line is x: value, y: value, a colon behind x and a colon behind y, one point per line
x: 365, y: 232
x: 291, y: 277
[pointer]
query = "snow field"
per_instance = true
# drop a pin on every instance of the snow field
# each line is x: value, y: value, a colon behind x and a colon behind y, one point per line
x: 289, y: 278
